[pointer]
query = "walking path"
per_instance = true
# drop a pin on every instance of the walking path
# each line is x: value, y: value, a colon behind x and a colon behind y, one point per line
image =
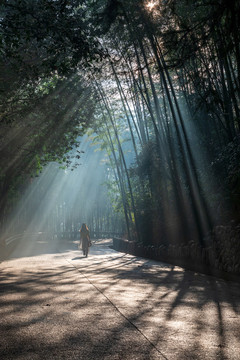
x: 57, y: 304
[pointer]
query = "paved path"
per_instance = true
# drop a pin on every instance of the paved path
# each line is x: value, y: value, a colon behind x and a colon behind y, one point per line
x: 55, y: 304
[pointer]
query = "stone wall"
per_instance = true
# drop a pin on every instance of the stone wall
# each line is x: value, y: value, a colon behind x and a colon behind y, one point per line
x: 220, y: 256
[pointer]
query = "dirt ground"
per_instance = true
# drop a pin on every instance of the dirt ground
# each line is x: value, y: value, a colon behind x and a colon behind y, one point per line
x: 57, y: 304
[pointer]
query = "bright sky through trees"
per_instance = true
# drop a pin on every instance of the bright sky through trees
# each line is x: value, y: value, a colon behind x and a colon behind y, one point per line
x: 150, y: 5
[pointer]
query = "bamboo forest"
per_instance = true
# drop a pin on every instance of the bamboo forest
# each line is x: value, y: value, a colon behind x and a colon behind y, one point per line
x: 125, y: 115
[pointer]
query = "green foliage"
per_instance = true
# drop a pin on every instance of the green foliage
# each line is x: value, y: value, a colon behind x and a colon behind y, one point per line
x: 52, y: 35
x: 45, y: 131
x: 226, y: 166
x: 167, y: 99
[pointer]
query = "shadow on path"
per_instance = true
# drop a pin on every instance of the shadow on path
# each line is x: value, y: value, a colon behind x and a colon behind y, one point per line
x: 57, y: 304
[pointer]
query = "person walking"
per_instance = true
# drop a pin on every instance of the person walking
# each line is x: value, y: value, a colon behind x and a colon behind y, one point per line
x: 85, y: 239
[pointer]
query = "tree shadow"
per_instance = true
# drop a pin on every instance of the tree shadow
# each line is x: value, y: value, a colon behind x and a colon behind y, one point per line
x: 113, y: 306
x: 213, y: 301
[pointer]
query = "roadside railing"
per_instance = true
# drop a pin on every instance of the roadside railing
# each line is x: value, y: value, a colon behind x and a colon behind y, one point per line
x: 75, y: 235
x: 7, y: 244
x: 9, y: 241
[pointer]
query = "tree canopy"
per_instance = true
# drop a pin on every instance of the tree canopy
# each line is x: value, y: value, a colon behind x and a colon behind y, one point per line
x: 157, y: 81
